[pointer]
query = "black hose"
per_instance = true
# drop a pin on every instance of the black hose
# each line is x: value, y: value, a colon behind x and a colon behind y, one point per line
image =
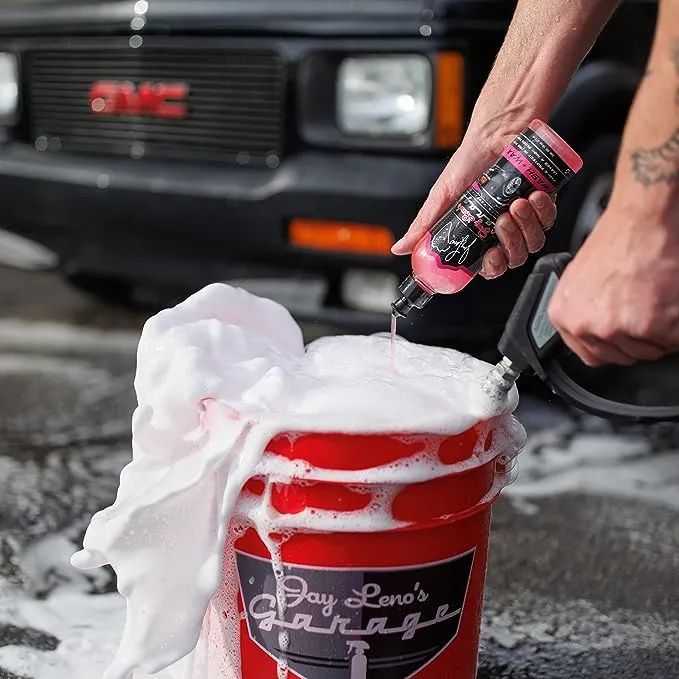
x: 580, y: 397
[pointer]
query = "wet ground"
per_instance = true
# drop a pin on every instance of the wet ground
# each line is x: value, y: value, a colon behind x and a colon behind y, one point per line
x: 584, y: 573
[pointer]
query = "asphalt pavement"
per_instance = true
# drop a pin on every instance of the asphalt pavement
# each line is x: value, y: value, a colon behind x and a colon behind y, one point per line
x: 584, y: 570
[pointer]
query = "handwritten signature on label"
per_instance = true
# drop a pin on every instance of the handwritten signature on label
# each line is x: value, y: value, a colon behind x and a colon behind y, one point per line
x: 452, y: 246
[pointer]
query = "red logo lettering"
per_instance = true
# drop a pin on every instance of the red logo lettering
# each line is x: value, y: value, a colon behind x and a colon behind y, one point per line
x: 158, y: 100
x: 483, y: 230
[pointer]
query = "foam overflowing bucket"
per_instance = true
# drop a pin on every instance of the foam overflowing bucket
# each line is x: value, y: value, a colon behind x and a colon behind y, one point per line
x: 248, y: 544
x: 375, y: 563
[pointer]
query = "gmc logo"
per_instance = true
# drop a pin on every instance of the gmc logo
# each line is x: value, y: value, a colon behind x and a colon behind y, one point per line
x: 158, y: 100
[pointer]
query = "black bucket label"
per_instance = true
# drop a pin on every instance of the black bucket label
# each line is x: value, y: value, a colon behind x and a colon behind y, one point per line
x: 347, y: 623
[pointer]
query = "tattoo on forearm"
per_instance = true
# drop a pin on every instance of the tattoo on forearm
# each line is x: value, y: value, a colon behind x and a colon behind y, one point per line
x: 658, y: 164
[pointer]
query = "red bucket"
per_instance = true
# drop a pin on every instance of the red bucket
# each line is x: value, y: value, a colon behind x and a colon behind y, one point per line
x: 402, y: 601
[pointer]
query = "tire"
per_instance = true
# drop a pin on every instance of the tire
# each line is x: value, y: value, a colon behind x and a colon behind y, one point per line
x: 583, y: 201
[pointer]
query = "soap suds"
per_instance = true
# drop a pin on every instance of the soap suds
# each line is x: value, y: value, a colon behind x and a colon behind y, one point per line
x: 218, y: 377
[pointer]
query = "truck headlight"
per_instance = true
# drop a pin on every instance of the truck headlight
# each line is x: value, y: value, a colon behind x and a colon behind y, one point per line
x: 386, y: 96
x: 9, y: 86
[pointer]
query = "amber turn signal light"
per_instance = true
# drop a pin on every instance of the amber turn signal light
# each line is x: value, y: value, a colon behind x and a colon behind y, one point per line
x: 331, y: 236
x: 449, y: 106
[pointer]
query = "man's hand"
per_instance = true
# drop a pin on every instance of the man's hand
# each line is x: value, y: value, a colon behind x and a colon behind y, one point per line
x: 618, y: 301
x: 544, y: 45
x: 520, y: 231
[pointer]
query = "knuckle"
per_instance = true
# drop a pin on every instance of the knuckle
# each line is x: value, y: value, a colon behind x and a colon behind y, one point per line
x: 544, y: 207
x: 537, y: 243
x: 554, y: 315
x: 549, y: 210
x: 511, y: 237
x: 606, y: 333
x: 513, y: 242
x: 494, y: 263
x: 517, y: 261
x: 603, y: 327
x: 547, y: 220
x: 646, y: 325
x: 506, y: 223
x: 590, y: 359
x: 516, y: 242
x: 534, y: 235
x: 522, y: 211
x: 578, y: 328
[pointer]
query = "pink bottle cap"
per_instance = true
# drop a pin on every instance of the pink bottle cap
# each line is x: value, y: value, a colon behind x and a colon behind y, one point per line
x: 560, y: 147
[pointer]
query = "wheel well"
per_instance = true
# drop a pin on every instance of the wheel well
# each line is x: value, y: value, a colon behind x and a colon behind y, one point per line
x: 598, y: 156
x: 606, y: 120
x: 601, y: 118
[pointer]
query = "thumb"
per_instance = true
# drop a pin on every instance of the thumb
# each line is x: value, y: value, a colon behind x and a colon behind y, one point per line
x: 457, y: 175
x: 440, y: 198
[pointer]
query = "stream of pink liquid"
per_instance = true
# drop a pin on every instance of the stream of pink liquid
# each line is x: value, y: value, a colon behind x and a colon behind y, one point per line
x: 394, y: 321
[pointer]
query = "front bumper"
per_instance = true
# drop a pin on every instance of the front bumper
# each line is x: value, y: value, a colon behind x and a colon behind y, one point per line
x: 181, y: 225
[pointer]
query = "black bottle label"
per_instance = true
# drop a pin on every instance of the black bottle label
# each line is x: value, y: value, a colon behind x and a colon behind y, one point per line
x: 464, y: 234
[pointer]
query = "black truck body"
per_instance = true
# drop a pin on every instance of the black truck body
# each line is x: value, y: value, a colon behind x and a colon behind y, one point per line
x: 208, y: 191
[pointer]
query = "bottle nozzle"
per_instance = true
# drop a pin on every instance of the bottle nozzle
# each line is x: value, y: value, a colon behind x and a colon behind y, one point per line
x: 413, y: 296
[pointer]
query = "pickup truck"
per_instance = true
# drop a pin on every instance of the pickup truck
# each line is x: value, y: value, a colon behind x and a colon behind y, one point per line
x: 153, y: 146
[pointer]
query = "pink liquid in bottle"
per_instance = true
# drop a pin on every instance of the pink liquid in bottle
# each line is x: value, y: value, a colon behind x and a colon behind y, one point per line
x: 451, y: 253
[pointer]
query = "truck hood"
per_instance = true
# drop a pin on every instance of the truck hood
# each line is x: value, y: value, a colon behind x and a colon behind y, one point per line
x: 291, y: 17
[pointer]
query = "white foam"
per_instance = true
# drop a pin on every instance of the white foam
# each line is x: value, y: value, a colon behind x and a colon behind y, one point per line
x: 218, y: 377
x: 599, y: 463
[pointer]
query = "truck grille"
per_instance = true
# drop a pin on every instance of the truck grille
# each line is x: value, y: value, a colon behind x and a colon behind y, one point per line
x: 235, y: 103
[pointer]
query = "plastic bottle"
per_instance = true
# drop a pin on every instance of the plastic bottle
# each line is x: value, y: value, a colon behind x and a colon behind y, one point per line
x: 359, y: 662
x: 451, y: 253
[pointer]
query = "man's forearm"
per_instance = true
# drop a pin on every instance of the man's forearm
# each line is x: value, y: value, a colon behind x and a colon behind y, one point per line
x: 545, y: 44
x: 647, y: 176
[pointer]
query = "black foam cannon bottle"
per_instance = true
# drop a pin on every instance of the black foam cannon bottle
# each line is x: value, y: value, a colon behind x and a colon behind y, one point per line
x: 451, y: 253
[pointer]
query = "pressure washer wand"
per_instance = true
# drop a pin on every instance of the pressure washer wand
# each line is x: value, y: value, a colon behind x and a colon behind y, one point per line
x: 502, y: 377
x: 530, y: 343
x: 529, y: 339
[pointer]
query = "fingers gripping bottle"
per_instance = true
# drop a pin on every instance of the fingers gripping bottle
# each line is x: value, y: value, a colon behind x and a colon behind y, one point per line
x: 451, y: 253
